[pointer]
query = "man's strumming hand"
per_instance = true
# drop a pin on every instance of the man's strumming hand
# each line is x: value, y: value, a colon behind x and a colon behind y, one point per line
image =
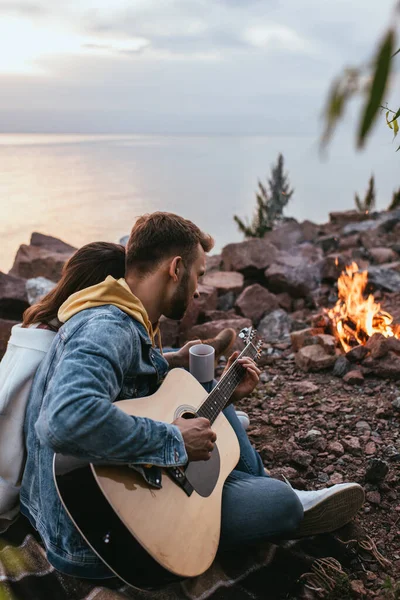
x: 198, y: 437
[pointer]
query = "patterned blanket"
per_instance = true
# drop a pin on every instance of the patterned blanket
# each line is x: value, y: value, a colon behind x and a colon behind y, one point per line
x: 307, y: 568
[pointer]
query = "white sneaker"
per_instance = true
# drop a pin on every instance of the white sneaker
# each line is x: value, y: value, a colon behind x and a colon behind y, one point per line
x: 243, y: 418
x: 330, y: 508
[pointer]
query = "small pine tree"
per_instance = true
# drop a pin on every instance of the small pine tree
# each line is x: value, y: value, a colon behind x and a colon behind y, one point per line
x: 368, y: 204
x: 270, y: 203
x: 395, y: 200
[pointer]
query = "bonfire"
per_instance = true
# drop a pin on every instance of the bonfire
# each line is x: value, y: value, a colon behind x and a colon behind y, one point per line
x: 355, y: 316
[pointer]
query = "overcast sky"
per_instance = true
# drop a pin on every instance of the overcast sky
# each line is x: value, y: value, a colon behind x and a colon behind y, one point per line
x: 230, y: 66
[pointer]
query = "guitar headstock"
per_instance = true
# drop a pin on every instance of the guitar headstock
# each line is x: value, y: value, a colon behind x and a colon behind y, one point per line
x: 249, y: 334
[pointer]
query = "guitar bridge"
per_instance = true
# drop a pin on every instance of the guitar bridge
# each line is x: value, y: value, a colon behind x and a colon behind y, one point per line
x: 177, y: 474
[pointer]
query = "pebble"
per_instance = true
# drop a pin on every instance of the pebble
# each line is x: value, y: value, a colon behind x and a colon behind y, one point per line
x: 373, y: 497
x: 396, y: 403
x: 336, y: 448
x: 301, y: 458
x: 352, y: 445
x: 305, y: 387
x: 336, y: 478
x: 370, y: 448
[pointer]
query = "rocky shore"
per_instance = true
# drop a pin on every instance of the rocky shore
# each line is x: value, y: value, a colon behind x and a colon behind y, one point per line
x: 321, y: 415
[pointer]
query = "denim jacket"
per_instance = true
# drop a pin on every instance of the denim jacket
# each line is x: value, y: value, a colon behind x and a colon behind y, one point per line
x: 100, y: 355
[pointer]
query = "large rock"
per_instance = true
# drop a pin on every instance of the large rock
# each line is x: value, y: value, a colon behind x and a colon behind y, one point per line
x: 314, y: 358
x: 360, y: 227
x: 51, y: 243
x: 13, y: 297
x: 290, y: 233
x: 207, y: 300
x: 250, y: 257
x: 224, y: 281
x: 35, y: 261
x: 169, y: 330
x: 348, y: 216
x: 331, y: 267
x: 387, y: 280
x: 5, y: 332
x: 292, y: 274
x: 38, y: 287
x: 382, y: 255
x: 275, y: 327
x: 214, y: 263
x: 212, y: 328
x: 387, y: 367
x: 255, y: 301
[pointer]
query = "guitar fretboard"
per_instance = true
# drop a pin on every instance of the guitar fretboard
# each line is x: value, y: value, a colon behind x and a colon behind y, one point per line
x: 220, y: 395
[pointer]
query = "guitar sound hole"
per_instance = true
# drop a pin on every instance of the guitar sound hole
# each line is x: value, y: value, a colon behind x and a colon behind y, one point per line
x: 188, y: 415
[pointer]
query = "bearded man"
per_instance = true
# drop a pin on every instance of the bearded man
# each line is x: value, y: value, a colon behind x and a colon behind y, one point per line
x: 106, y: 351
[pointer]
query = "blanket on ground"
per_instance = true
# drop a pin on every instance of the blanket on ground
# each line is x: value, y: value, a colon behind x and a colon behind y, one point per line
x: 306, y: 568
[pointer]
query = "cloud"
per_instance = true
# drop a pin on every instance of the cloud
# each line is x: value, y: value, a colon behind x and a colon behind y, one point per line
x: 22, y: 8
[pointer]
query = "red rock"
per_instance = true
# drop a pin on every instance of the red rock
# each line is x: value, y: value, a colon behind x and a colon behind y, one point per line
x: 328, y: 342
x: 169, y: 332
x: 51, y: 243
x: 352, y: 445
x: 13, y: 297
x: 212, y: 328
x: 349, y: 241
x: 370, y: 448
x: 305, y: 387
x: 217, y: 315
x: 336, y: 448
x: 292, y: 274
x: 354, y: 378
x: 388, y: 366
x: 207, y: 300
x: 379, y: 345
x: 357, y: 354
x: 35, y: 261
x: 248, y: 257
x: 313, y: 358
x: 301, y: 458
x: 373, y: 497
x: 5, y: 332
x: 358, y: 588
x: 304, y: 337
x: 348, y: 216
x: 213, y: 263
x: 336, y: 478
x: 382, y: 255
x: 255, y: 301
x: 331, y: 267
x: 224, y: 281
x: 285, y: 301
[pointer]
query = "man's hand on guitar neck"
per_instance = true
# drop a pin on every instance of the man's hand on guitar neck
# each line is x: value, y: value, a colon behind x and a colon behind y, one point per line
x: 198, y: 436
x: 250, y: 379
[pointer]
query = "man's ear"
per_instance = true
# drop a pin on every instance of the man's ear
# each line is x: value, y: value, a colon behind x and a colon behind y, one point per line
x: 175, y: 267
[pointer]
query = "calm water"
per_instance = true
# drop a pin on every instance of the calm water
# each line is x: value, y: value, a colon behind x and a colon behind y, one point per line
x: 91, y: 187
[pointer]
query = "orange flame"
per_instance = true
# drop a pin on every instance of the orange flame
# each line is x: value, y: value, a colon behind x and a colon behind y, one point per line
x: 355, y: 318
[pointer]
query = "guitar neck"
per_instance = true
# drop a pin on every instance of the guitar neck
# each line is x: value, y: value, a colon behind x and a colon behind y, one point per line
x: 221, y: 394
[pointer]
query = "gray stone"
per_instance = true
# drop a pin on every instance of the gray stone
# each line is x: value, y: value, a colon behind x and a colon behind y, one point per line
x: 386, y: 280
x: 275, y: 327
x: 37, y: 287
x: 396, y: 403
x: 341, y: 367
x: 124, y: 240
x: 226, y: 301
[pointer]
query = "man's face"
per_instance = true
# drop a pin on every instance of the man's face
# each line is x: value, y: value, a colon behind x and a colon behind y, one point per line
x: 187, y: 287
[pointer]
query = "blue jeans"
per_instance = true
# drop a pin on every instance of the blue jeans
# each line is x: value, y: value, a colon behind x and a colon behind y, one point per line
x: 255, y: 507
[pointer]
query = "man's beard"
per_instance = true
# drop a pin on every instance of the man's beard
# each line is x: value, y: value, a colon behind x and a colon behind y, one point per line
x: 180, y: 300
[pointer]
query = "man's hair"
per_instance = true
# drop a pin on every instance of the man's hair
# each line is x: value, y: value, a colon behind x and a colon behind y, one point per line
x: 160, y: 235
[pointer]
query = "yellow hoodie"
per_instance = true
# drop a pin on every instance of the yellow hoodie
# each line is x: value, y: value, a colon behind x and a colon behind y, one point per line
x: 109, y: 291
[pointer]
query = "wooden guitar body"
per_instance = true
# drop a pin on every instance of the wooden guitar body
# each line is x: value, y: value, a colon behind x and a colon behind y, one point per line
x: 150, y: 536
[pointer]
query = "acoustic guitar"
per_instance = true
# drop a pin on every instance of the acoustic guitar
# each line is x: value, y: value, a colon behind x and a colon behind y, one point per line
x: 149, y: 537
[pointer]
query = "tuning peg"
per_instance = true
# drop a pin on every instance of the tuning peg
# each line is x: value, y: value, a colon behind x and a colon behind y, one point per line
x: 244, y: 333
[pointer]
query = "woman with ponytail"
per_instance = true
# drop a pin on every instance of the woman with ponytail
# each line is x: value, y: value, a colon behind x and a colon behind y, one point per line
x: 31, y: 340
